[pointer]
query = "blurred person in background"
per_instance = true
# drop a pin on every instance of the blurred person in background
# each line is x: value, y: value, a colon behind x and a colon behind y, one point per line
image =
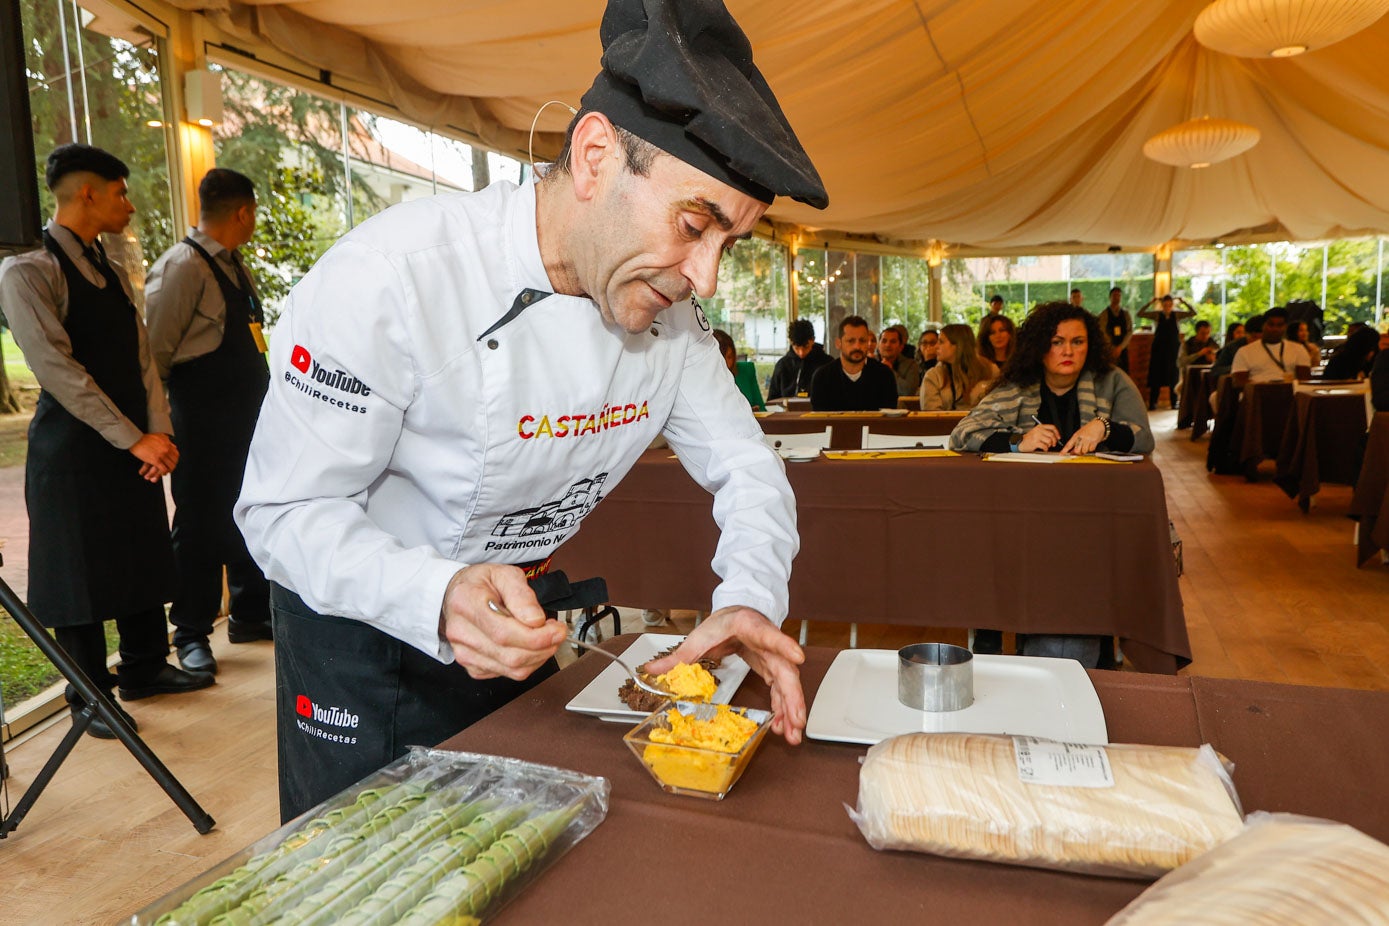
x: 996, y: 334
x: 960, y: 377
x: 792, y: 374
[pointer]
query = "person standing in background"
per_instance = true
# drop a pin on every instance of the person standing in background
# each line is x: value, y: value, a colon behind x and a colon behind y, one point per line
x: 99, y: 442
x: 1115, y: 321
x: 205, y: 336
x: 1167, y: 341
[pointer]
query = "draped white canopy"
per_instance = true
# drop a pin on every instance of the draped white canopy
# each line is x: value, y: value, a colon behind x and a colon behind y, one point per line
x: 986, y: 124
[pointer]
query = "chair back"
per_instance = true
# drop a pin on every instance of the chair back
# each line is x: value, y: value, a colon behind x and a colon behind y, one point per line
x: 804, y: 440
x: 871, y: 441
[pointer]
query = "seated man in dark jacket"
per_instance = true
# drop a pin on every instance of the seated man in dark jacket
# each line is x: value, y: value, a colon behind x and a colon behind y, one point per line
x: 792, y: 374
x: 856, y: 382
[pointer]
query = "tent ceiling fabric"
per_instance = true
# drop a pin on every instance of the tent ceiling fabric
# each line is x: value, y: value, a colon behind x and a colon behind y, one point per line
x: 987, y: 124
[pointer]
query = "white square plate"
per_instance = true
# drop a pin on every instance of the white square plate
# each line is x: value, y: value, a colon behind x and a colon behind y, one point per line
x: 1020, y: 695
x: 599, y: 697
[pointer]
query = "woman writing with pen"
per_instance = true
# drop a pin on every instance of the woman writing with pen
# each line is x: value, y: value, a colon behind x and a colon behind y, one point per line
x: 1059, y: 391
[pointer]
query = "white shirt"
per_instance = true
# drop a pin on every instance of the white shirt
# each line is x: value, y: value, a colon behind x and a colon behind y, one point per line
x: 1269, y: 363
x: 398, y: 443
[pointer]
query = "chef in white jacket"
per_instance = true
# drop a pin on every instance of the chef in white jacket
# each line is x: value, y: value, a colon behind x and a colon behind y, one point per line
x: 459, y: 380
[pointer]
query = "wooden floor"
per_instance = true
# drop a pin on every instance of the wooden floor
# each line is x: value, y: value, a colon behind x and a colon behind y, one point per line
x: 1270, y: 594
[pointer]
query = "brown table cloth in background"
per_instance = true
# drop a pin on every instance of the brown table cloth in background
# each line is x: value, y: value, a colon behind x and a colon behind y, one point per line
x: 781, y: 848
x: 1025, y: 547
x: 1259, y: 423
x: 847, y: 427
x: 1321, y: 443
x: 1370, y: 504
x: 1195, y: 402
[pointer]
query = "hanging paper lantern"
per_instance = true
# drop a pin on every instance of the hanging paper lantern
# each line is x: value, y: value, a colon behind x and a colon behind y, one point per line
x: 1201, y: 142
x: 1282, y: 28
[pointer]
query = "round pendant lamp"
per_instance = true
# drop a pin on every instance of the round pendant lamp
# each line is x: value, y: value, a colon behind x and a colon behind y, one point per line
x: 1201, y: 142
x: 1282, y: 28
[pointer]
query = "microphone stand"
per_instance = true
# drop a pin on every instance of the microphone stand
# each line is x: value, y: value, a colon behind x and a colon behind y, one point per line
x: 96, y: 704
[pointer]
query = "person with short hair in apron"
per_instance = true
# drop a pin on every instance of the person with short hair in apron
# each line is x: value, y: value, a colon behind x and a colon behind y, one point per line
x: 99, y: 441
x: 205, y: 336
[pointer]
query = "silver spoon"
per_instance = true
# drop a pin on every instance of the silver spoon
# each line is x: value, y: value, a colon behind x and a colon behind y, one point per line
x: 593, y: 647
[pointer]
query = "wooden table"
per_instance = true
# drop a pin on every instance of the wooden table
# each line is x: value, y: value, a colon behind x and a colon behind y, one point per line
x: 1370, y: 504
x: 1030, y: 548
x: 781, y: 848
x: 1321, y: 443
x: 847, y: 427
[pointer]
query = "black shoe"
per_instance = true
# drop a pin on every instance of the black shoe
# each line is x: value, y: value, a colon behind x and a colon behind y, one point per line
x: 100, y: 729
x: 170, y: 680
x: 248, y: 631
x: 197, y: 657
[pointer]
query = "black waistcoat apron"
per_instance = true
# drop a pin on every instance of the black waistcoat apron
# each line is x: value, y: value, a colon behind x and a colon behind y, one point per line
x: 215, y: 400
x: 1162, y: 362
x: 1117, y: 328
x: 98, y: 532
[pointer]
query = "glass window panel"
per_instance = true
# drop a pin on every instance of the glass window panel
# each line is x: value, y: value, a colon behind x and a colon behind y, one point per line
x: 290, y: 144
x: 453, y: 164
x: 906, y: 290
x: 97, y: 81
x: 390, y: 163
x: 811, y: 303
x: 502, y: 167
x: 751, y: 302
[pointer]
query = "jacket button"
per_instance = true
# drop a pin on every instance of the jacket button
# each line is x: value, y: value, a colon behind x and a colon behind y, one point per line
x: 492, y: 344
x: 526, y: 297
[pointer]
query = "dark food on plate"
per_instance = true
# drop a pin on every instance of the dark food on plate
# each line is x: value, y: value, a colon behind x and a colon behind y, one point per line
x: 638, y: 699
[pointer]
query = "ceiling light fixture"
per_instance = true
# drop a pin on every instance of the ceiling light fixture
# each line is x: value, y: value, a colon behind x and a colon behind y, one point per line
x: 1282, y: 28
x: 1201, y: 142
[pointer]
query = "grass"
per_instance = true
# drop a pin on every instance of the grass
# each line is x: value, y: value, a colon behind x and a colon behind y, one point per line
x: 24, y: 671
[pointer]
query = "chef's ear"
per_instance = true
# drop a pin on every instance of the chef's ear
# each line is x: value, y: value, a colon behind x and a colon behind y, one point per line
x: 594, y: 149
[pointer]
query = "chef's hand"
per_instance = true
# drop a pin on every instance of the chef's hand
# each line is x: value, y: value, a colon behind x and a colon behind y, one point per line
x: 1042, y: 437
x: 771, y: 654
x: 158, y: 454
x: 489, y: 644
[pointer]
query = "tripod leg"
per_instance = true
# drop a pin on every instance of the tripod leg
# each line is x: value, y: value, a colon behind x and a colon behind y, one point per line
x: 80, y: 721
x: 99, y: 702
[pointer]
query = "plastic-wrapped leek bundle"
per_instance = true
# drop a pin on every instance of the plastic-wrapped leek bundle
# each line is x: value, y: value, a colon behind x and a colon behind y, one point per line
x: 1283, y: 870
x: 1113, y: 810
x: 376, y: 853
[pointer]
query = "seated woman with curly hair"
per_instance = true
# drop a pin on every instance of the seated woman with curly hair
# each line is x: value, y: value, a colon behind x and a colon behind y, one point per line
x: 1059, y: 391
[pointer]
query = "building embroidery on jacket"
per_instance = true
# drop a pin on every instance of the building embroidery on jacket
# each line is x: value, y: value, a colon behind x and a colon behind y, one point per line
x: 552, y: 517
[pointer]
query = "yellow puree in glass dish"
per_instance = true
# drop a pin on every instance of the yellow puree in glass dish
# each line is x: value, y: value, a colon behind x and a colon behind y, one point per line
x: 681, y: 766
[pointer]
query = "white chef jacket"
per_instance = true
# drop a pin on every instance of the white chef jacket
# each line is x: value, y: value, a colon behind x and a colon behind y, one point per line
x: 400, y: 442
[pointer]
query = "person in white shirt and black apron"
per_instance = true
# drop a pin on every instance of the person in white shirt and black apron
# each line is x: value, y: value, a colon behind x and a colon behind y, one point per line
x: 205, y: 335
x: 99, y: 441
x: 459, y: 380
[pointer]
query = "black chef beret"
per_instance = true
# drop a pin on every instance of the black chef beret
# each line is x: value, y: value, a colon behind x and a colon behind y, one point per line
x: 71, y: 159
x: 679, y: 74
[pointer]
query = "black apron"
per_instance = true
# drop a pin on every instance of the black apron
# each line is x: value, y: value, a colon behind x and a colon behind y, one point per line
x: 1162, y: 363
x: 98, y: 532
x: 215, y: 400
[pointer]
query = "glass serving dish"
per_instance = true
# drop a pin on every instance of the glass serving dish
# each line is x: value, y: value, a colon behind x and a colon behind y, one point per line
x: 693, y: 770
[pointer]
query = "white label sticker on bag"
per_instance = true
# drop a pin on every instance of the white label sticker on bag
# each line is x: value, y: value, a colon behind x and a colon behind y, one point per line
x: 1069, y: 765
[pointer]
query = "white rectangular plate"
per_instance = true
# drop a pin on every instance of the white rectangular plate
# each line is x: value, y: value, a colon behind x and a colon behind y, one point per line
x: 599, y: 697
x: 1020, y: 695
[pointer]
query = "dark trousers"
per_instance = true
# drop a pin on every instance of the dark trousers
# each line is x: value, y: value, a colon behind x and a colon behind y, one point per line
x: 144, y: 648
x: 350, y: 699
x: 198, y: 595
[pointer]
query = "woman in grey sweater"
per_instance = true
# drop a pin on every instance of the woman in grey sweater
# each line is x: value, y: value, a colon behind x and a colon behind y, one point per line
x: 1059, y: 391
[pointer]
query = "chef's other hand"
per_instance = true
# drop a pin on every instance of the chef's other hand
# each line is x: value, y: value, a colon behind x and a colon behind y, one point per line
x: 489, y: 644
x: 771, y: 654
x: 158, y: 454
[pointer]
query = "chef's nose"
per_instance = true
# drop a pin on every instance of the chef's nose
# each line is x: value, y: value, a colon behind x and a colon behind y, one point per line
x: 701, y: 268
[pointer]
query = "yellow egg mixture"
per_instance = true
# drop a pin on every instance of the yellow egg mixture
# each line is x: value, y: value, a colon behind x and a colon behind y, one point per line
x: 689, y: 682
x: 726, y: 733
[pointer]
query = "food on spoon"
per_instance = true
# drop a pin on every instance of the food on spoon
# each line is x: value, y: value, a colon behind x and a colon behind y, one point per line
x: 689, y: 682
x: 639, y: 699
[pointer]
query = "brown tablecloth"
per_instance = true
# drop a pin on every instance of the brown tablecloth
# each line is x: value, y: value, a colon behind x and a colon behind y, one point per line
x: 781, y: 848
x: 1195, y: 408
x: 1249, y: 425
x: 1370, y: 504
x: 1065, y: 548
x: 847, y: 428
x: 1321, y: 443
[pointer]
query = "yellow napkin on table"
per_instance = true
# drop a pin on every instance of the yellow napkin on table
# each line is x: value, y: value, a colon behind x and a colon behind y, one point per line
x: 903, y: 454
